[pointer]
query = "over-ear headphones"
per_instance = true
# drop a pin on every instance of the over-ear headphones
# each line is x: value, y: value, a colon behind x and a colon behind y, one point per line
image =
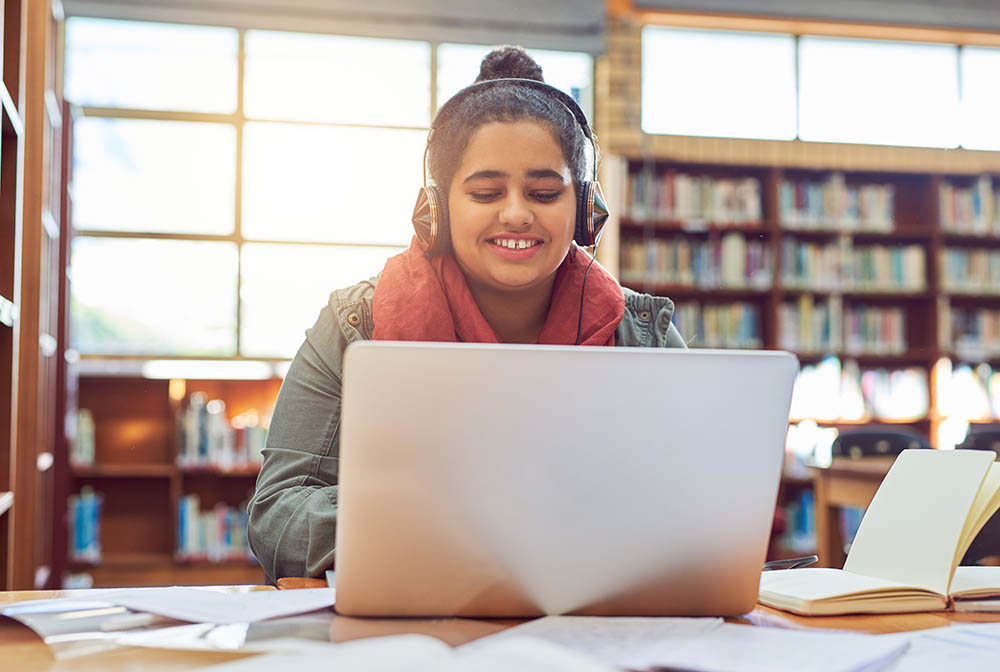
x: 430, y: 214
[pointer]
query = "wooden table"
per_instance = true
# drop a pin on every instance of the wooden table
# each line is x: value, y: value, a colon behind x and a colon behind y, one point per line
x: 845, y: 482
x: 22, y: 650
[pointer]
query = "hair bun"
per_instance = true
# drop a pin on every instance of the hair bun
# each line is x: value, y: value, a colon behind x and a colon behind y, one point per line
x: 509, y: 61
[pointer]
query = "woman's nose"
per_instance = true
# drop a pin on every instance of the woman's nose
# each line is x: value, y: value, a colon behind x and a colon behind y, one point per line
x: 516, y: 212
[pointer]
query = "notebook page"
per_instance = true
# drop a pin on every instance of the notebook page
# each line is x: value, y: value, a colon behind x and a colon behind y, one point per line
x: 912, y: 529
x: 984, y: 506
x: 820, y: 583
x: 975, y: 581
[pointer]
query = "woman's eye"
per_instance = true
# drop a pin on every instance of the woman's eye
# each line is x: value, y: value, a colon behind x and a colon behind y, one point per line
x: 545, y: 196
x: 484, y: 196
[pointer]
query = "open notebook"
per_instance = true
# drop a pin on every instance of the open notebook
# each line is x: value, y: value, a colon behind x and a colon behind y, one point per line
x: 905, y: 556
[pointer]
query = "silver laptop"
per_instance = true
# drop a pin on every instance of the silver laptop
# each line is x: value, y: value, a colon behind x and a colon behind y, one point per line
x: 513, y: 481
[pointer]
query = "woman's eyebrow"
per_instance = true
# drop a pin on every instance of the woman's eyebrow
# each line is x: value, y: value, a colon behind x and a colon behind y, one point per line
x: 545, y: 173
x: 485, y: 175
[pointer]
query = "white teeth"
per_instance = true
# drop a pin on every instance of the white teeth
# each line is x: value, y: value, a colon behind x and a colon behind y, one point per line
x: 514, y: 244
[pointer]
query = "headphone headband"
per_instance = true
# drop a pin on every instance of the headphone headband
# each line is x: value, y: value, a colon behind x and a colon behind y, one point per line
x: 567, y: 101
x: 563, y: 97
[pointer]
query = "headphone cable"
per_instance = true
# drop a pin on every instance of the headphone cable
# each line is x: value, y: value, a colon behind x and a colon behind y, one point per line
x: 583, y: 288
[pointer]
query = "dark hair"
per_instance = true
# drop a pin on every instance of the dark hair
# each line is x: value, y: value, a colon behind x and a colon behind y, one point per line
x: 507, y: 102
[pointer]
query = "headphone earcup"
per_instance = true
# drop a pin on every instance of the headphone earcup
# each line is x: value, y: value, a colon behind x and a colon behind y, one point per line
x: 591, y: 214
x: 430, y: 220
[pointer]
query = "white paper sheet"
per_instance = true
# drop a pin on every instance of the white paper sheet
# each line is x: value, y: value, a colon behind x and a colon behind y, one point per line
x: 958, y: 647
x: 417, y: 653
x: 708, y: 644
x: 745, y: 648
x: 613, y: 641
x: 203, y: 606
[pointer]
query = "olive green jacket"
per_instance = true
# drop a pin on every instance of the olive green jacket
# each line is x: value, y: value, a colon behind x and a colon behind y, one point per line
x: 293, y: 512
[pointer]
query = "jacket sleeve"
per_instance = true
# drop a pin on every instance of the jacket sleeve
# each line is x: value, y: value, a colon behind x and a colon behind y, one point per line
x: 293, y: 512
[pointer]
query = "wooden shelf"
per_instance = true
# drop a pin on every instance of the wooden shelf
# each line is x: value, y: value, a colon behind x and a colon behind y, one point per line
x: 125, y: 471
x: 6, y: 501
x: 250, y: 472
x: 953, y: 238
x: 109, y: 560
x: 720, y: 293
x: 862, y: 423
x: 856, y: 294
x: 911, y: 356
x: 971, y: 296
x: 693, y: 227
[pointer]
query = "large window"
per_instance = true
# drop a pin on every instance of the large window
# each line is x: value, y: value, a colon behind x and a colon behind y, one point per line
x: 212, y: 225
x: 819, y: 89
x: 727, y: 84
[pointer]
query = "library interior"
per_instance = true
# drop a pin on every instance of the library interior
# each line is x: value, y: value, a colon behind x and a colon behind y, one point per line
x: 795, y: 175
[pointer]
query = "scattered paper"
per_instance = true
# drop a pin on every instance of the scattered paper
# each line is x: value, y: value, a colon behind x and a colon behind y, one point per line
x: 745, y: 648
x: 708, y: 644
x: 417, y: 653
x: 957, y: 647
x: 613, y: 641
x: 196, y: 605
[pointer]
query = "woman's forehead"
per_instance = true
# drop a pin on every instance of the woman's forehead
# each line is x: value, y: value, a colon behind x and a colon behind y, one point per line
x: 514, y: 147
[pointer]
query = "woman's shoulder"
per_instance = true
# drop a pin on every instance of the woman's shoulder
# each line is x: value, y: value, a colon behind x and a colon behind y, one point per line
x: 647, y: 322
x: 347, y: 317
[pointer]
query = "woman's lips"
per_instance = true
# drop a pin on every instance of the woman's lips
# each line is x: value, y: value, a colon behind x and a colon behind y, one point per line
x: 515, y: 248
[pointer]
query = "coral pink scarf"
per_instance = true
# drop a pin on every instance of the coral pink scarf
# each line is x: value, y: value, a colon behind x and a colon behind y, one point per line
x: 417, y: 299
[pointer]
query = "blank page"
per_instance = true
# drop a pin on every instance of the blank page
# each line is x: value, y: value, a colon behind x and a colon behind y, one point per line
x: 912, y: 529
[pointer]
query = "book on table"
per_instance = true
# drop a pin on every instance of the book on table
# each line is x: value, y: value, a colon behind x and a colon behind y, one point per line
x: 906, y: 553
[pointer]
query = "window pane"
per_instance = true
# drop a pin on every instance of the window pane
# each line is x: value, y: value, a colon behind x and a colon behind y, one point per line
x: 875, y: 92
x: 980, y: 98
x: 718, y: 83
x: 570, y: 71
x: 322, y: 183
x: 151, y: 66
x: 285, y: 286
x: 353, y: 80
x: 157, y: 176
x: 161, y: 297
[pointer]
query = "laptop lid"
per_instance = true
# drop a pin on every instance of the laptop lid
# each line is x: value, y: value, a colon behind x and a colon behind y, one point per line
x: 511, y: 480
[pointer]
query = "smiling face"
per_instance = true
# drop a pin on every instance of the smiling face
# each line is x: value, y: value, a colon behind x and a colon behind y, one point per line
x: 512, y: 207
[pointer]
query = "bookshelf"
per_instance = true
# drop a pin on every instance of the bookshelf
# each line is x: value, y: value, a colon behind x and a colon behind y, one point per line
x: 887, y: 258
x: 32, y: 278
x: 140, y: 480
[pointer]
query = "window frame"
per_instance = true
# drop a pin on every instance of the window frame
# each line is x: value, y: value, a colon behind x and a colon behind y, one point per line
x: 238, y: 120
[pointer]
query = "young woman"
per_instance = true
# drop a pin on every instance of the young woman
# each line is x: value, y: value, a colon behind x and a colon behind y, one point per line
x: 509, y: 160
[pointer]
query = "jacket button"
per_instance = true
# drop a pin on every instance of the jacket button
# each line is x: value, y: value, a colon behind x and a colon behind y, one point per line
x: 644, y: 315
x: 354, y: 319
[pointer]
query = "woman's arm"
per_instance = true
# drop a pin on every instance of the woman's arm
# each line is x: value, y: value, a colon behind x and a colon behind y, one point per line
x: 293, y: 512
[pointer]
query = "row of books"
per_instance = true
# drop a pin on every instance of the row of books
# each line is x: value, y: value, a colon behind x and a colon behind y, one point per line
x: 970, y: 210
x: 807, y: 326
x: 732, y: 325
x: 830, y: 390
x: 693, y: 198
x: 845, y: 266
x: 811, y: 265
x: 882, y: 268
x: 216, y: 535
x: 726, y: 261
x: 972, y: 333
x: 209, y: 439
x: 800, y: 516
x: 84, y: 518
x: 835, y: 204
x: 970, y: 271
x: 83, y: 448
